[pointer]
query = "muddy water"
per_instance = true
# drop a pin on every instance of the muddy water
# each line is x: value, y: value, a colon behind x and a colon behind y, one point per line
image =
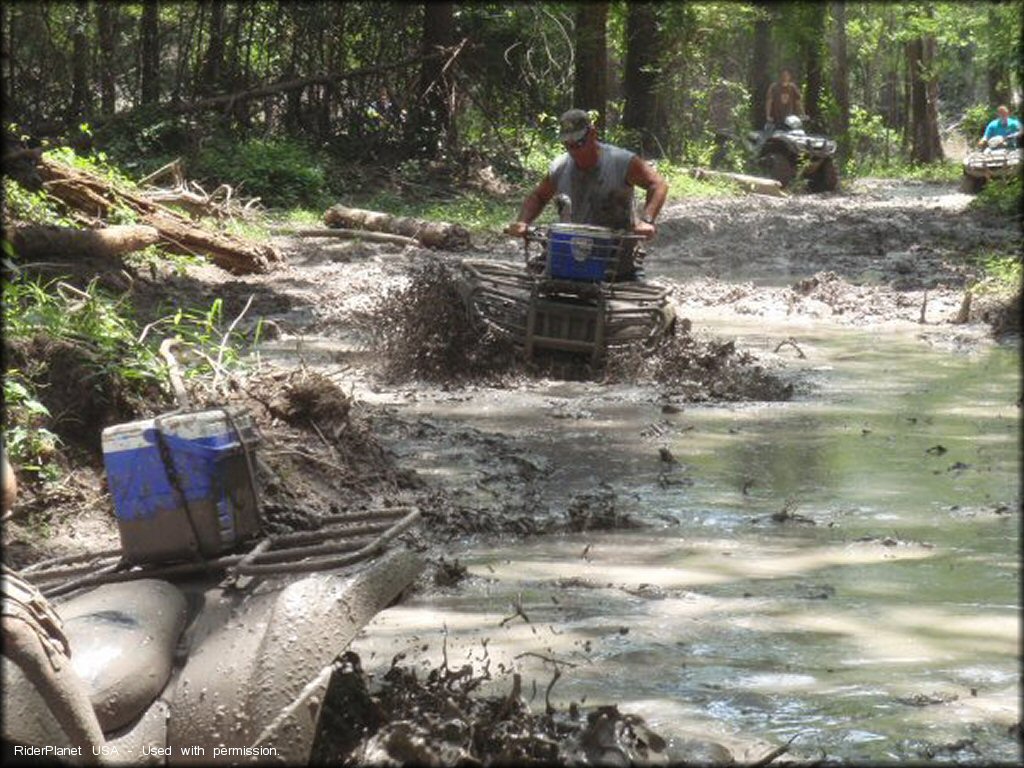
x: 842, y: 569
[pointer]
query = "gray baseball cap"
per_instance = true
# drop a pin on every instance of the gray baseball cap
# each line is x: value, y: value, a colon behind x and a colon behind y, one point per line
x: 574, y: 125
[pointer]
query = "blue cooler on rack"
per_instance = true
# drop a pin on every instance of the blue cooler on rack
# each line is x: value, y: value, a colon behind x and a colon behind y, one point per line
x: 582, y: 252
x: 182, y: 484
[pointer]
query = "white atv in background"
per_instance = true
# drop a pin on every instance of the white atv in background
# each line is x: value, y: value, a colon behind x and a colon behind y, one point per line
x: 997, y: 160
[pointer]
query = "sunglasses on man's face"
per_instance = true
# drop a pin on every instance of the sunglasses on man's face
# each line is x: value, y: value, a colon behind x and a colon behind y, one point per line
x: 576, y: 144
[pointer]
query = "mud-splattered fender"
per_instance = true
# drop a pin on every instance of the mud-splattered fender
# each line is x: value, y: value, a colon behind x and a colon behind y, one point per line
x: 248, y: 662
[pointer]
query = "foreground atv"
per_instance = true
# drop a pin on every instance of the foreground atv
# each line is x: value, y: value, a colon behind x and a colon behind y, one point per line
x: 786, y: 153
x: 582, y: 296
x: 202, y: 639
x: 996, y: 161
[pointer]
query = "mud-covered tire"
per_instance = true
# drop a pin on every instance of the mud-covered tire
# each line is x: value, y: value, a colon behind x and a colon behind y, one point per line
x: 971, y: 185
x: 825, y: 178
x: 780, y: 167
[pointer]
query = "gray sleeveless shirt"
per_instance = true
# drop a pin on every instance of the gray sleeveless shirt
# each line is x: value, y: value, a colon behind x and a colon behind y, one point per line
x: 600, y: 195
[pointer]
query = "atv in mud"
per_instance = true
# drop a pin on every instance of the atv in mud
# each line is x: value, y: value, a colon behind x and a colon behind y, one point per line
x: 582, y: 295
x: 787, y: 152
x: 997, y: 160
x: 202, y: 639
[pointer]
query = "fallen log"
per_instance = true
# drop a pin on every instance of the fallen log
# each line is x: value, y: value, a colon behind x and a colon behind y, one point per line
x: 97, y: 197
x: 38, y: 242
x: 756, y: 184
x: 347, y: 234
x: 432, y: 234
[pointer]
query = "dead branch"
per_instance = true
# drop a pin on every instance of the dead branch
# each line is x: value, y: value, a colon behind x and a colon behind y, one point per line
x: 548, y: 709
x: 924, y: 307
x: 174, y: 372
x: 548, y: 659
x: 347, y: 234
x: 95, y: 196
x: 173, y: 168
x: 792, y: 343
x: 282, y: 86
x: 517, y: 605
x: 775, y: 753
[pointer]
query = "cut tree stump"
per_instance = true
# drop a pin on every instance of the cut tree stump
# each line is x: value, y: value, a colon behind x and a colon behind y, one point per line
x: 756, y: 184
x: 432, y: 234
x: 38, y: 242
x: 96, y: 197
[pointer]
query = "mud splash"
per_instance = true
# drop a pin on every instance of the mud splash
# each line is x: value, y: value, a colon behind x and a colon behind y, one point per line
x: 442, y: 720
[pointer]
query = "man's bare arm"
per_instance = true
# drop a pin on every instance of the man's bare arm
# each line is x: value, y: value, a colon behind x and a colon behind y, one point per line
x: 532, y: 206
x: 640, y: 174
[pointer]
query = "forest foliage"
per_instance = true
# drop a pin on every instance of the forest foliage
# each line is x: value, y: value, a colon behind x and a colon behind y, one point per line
x: 273, y: 93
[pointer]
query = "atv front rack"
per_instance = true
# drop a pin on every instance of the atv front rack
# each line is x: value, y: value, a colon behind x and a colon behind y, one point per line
x: 572, y: 316
x: 341, y: 540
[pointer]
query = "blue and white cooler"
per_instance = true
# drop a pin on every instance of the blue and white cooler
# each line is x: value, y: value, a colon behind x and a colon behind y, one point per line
x: 583, y: 252
x: 183, y: 484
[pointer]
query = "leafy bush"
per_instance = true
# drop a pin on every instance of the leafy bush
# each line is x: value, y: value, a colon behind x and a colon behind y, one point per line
x: 1000, y: 196
x: 282, y: 172
x: 77, y: 362
x: 31, y: 207
x: 974, y: 122
x: 872, y: 144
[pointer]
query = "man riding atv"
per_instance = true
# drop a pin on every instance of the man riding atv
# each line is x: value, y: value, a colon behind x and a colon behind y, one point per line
x: 1002, y: 125
x: 598, y: 180
x: 585, y: 293
x: 999, y: 157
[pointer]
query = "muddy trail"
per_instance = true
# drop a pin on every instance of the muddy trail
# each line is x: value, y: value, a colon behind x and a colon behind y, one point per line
x: 371, y: 390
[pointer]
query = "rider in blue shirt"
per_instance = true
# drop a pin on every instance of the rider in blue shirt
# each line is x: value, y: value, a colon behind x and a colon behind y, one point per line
x: 1004, y: 125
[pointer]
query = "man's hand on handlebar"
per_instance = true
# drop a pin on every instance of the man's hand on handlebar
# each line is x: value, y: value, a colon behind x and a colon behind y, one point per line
x: 644, y: 229
x: 517, y: 229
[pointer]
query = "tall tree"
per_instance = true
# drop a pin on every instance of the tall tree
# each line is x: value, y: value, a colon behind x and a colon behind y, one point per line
x: 925, y: 144
x: 79, y: 107
x: 106, y: 37
x: 760, y: 61
x: 812, y: 38
x: 213, y: 59
x: 642, y: 112
x: 434, y: 117
x: 149, y: 47
x: 841, y: 79
x: 590, y: 88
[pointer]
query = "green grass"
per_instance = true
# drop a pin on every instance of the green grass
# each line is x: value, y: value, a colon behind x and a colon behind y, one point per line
x: 1001, y: 272
x: 120, y: 360
x: 945, y: 171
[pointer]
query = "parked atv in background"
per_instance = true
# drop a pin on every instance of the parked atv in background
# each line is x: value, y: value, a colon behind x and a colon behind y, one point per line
x: 786, y: 152
x: 997, y: 160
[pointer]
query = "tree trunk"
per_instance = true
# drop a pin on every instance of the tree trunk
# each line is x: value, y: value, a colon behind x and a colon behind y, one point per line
x: 591, y: 82
x: 642, y: 111
x: 841, y: 81
x: 433, y: 234
x: 433, y: 118
x: 814, y: 37
x: 149, y: 42
x: 106, y: 37
x: 79, y: 64
x: 41, y: 242
x: 760, y: 77
x: 925, y: 146
x: 213, y: 60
